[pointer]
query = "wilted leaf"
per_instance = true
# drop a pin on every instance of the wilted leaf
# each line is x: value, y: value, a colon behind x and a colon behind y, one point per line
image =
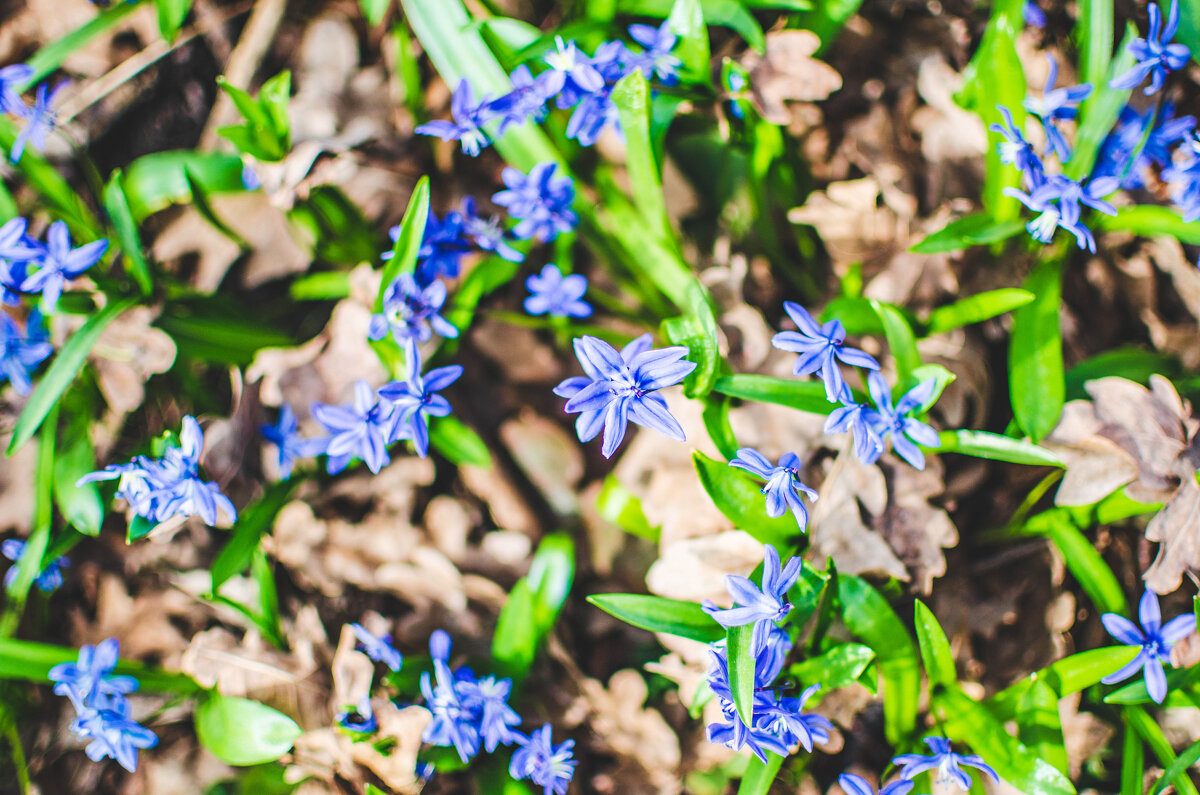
x: 788, y: 72
x: 1177, y: 528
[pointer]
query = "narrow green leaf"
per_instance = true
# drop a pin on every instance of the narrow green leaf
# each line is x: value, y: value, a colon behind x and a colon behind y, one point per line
x: 976, y: 309
x: 1137, y: 692
x: 656, y: 614
x: 551, y: 573
x: 242, y: 732
x: 514, y: 644
x: 1087, y: 566
x: 31, y: 662
x: 458, y: 443
x: 686, y: 21
x: 51, y: 56
x: 1099, y: 112
x: 807, y: 396
x: 1152, y: 734
x: 743, y: 503
x: 727, y: 13
x: 322, y: 286
x: 997, y: 447
x: 533, y: 606
x: 50, y: 185
x: 1036, y: 383
x: 971, y: 230
x: 620, y: 506
x: 856, y: 314
x: 171, y: 14
x: 840, y: 666
x: 117, y: 205
x: 251, y: 524
x: 1066, y: 676
x: 1039, y: 726
x: 1133, y: 763
x: 62, y: 372
x: 408, y: 242
x: 632, y: 98
x: 741, y: 670
x: 74, y: 457
x: 274, y: 97
x: 900, y: 338
x: 1189, y: 25
x: 1152, y: 221
x: 716, y: 422
x: 760, y: 775
x: 1094, y: 33
x: 935, y: 648
x: 1178, y: 768
x: 374, y: 10
x: 697, y: 330
x: 156, y: 181
x: 203, y: 205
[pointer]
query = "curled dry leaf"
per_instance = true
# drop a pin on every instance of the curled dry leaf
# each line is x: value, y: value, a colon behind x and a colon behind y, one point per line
x: 404, y: 727
x: 352, y: 673
x: 128, y: 352
x: 836, y: 526
x: 788, y: 72
x: 1177, y: 528
x: 852, y: 225
x: 916, y: 530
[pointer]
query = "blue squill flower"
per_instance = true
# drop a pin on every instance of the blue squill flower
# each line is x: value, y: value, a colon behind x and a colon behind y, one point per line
x: 657, y: 57
x: 1126, y: 138
x: 1016, y: 151
x: 820, y: 348
x: 551, y: 293
x: 763, y: 607
x: 589, y: 423
x: 1155, y: 55
x: 12, y: 79
x: 415, y: 400
x: 359, y: 720
x: 486, y: 233
x: 857, y: 785
x: 624, y: 391
x: 442, y: 247
x: 1184, y: 180
x: 947, y: 763
x: 1034, y: 18
x: 596, y: 111
x: 378, y: 648
x: 541, y: 202
x: 250, y: 178
x: 454, y: 722
x: 527, y: 100
x: 547, y: 765
x: 894, y: 423
x: 1055, y: 105
x: 469, y: 118
x: 859, y: 420
x: 783, y: 487
x: 1155, y: 638
x: 90, y: 680
x: 487, y: 698
x: 113, y: 734
x: 572, y: 74
x: 411, y: 311
x: 18, y: 251
x: 791, y: 724
x: 285, y: 435
x: 1058, y: 201
x: 48, y: 580
x: 357, y: 431
x: 39, y: 118
x: 732, y: 731
x: 22, y: 351
x: 60, y: 263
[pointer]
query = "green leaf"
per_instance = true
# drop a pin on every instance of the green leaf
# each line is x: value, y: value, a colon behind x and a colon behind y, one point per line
x: 738, y: 642
x: 716, y: 422
x: 742, y: 503
x: 334, y: 227
x: 1036, y: 383
x: 1137, y: 692
x: 656, y: 614
x: 1178, y: 768
x: 727, y: 13
x: 1087, y: 566
x: 900, y: 338
x: 533, y: 605
x: 45, y: 179
x: 856, y: 313
x: 840, y: 666
x: 1133, y: 763
x: 935, y: 648
x: 971, y: 230
x: 139, y: 527
x: 408, y: 242
x: 698, y: 331
x: 217, y: 330
x: 686, y: 21
x: 760, y: 775
x: 203, y: 205
x: 807, y: 396
x: 1066, y: 676
x: 119, y: 212
x: 632, y: 98
x: 251, y: 524
x: 62, y: 372
x: 154, y: 182
x: 976, y: 309
x: 1099, y: 112
x: 1152, y: 221
x: 51, y: 56
x: 374, y: 10
x: 941, y: 378
x: 996, y: 447
x: 31, y: 662
x: 871, y: 619
x: 322, y: 286
x: 171, y: 14
x: 622, y: 507
x: 1152, y: 734
x: 458, y: 443
x: 514, y: 644
x: 241, y: 732
x: 81, y: 506
x: 274, y: 98
x: 1039, y: 726
x: 1094, y: 35
x: 968, y: 722
x: 827, y: 19
x: 1132, y: 363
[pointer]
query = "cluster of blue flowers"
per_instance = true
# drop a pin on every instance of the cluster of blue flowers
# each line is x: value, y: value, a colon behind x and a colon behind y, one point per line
x: 159, y: 488
x: 39, y: 119
x: 470, y: 713
x: 48, y: 579
x: 102, y: 709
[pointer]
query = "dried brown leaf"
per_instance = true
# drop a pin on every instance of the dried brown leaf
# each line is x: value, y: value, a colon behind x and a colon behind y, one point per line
x: 788, y: 72
x: 1177, y: 528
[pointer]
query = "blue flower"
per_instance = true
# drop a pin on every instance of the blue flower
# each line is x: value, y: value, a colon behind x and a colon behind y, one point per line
x: 622, y: 390
x: 90, y: 681
x: 589, y: 423
x: 572, y: 74
x: 657, y: 58
x: 1126, y: 137
x: 469, y: 118
x: 1016, y: 151
x: 1184, y: 179
x: 733, y: 731
x: 113, y: 734
x: 787, y: 720
x: 1154, y: 55
x: 596, y: 111
x: 442, y: 247
x: 379, y: 649
x: 857, y: 785
x: 415, y: 400
x: 487, y: 233
x: 17, y: 252
x: 60, y: 263
x: 1057, y: 104
x: 1058, y: 201
x: 360, y: 720
x: 487, y: 698
x: 783, y: 487
x: 527, y: 99
x: 21, y: 353
x: 357, y: 431
x: 820, y: 348
x: 12, y: 79
x: 411, y: 311
x: 547, y: 765
x: 763, y: 607
x: 551, y: 293
x: 1034, y: 18
x: 947, y: 763
x: 892, y: 422
x: 285, y: 435
x: 1155, y: 638
x: 858, y: 419
x: 540, y: 201
x: 250, y: 178
x: 39, y: 121
x: 48, y: 580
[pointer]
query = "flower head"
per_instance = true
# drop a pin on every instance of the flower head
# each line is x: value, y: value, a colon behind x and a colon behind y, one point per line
x: 596, y: 111
x: 415, y: 400
x: 1184, y: 179
x: 378, y: 648
x: 442, y: 247
x: 488, y: 699
x: 40, y: 119
x: 1057, y: 104
x: 60, y: 263
x: 551, y: 293
x: 1034, y: 18
x: 820, y: 348
x: 90, y: 680
x: 486, y: 233
x: 411, y: 311
x: 12, y: 79
x: 622, y: 390
x: 947, y: 763
x: 49, y: 579
x: 860, y: 420
x: 113, y: 734
x: 1016, y: 151
x: 547, y: 765
x: 783, y: 487
x: 1058, y: 200
x: 469, y: 118
x: 540, y: 201
x: 527, y: 99
x: 572, y: 74
x: 1126, y: 138
x: 356, y: 431
x: 1155, y: 55
x: 657, y: 57
x: 18, y: 251
x: 285, y: 435
x: 895, y: 423
x: 22, y: 352
x: 1155, y: 638
x: 857, y: 785
x: 787, y: 720
x: 763, y: 607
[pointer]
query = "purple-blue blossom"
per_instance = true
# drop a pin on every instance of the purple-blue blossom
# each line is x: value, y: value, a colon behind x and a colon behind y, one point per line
x: 469, y: 118
x: 1155, y: 54
x: 90, y: 680
x: 1058, y: 202
x: 820, y: 347
x: 1184, y: 180
x: 552, y: 293
x: 12, y: 79
x: 527, y: 100
x: 486, y: 233
x: 858, y: 419
x: 488, y: 698
x: 656, y: 58
x: 1016, y: 151
x: 49, y: 579
x: 1127, y: 136
x: 783, y: 488
x: 947, y: 764
x: 896, y: 424
x: 442, y: 247
x: 414, y: 400
x: 39, y: 118
x: 540, y: 201
x: 1056, y: 105
x: 545, y: 764
x: 572, y: 74
x: 113, y: 733
x: 618, y: 391
x: 788, y: 721
x: 1155, y: 639
x: 17, y: 252
x: 596, y: 111
x: 22, y: 351
x: 763, y: 606
x: 1034, y: 17
x: 411, y: 311
x: 857, y: 785
x: 59, y: 263
x: 285, y: 435
x: 356, y: 431
x: 378, y: 647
